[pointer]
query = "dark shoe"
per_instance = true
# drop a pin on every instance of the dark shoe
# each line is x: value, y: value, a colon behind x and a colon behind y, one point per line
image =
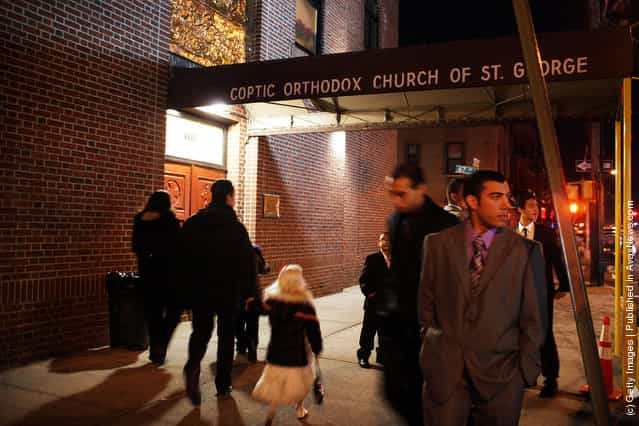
x: 157, y: 355
x: 252, y: 352
x: 192, y: 381
x: 364, y: 363
x: 379, y: 359
x: 157, y: 360
x: 549, y: 389
x: 224, y: 392
x: 362, y: 354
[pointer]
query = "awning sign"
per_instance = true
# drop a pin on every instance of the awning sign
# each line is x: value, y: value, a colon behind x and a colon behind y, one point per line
x: 565, y: 56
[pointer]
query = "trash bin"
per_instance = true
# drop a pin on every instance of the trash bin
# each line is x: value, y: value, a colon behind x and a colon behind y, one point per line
x: 127, y: 325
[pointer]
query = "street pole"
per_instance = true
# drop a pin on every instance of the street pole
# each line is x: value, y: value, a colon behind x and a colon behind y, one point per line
x: 618, y: 241
x: 628, y: 366
x: 596, y: 219
x: 581, y: 309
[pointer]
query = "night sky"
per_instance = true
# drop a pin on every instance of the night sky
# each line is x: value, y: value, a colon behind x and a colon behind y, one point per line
x: 428, y: 21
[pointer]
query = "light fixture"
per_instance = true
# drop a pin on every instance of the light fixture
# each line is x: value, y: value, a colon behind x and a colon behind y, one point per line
x: 215, y: 109
x: 338, y: 144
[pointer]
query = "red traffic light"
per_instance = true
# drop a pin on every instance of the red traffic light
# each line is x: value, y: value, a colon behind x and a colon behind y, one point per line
x: 574, y: 208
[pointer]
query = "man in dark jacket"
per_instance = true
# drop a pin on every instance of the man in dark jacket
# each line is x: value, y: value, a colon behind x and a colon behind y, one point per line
x: 376, y: 271
x: 248, y: 317
x: 220, y: 264
x: 415, y: 217
x: 528, y: 208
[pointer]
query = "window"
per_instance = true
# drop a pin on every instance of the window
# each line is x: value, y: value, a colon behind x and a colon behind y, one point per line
x: 412, y: 153
x: 371, y: 25
x: 195, y: 140
x: 306, y: 26
x: 454, y: 156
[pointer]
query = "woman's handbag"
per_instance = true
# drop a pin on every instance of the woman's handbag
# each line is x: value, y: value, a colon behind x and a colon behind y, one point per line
x: 318, y: 387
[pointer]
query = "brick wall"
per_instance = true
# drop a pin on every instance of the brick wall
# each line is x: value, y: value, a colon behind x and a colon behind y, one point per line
x: 389, y: 20
x: 332, y: 200
x: 236, y: 166
x: 273, y: 32
x: 487, y: 143
x: 82, y: 123
x: 343, y: 26
x: 370, y: 157
x: 82, y: 107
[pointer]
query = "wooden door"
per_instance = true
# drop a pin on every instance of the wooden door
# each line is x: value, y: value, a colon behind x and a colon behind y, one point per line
x: 189, y: 186
x: 177, y: 182
x: 201, y: 181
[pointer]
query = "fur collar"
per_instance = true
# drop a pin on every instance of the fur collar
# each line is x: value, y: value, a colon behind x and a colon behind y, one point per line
x: 301, y: 295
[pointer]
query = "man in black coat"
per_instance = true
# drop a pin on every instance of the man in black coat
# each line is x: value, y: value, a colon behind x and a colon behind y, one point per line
x: 376, y: 271
x: 415, y: 217
x: 220, y: 264
x: 248, y: 316
x: 528, y: 208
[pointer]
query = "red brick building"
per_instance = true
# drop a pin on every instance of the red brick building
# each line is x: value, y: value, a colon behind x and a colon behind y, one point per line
x: 333, y: 204
x: 83, y: 99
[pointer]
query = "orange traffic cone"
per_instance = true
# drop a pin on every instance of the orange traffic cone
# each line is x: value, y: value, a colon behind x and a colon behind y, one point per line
x: 605, y: 361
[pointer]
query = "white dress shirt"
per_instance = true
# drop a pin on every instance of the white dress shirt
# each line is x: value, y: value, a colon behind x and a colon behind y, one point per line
x: 530, y: 230
x: 386, y: 258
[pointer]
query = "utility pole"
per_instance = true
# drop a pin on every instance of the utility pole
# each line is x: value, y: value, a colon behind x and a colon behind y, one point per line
x: 597, y: 203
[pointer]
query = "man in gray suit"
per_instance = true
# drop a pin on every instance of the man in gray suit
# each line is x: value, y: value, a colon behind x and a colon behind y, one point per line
x: 482, y: 307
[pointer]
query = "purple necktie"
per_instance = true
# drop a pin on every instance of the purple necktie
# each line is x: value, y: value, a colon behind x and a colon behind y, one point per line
x: 477, y: 262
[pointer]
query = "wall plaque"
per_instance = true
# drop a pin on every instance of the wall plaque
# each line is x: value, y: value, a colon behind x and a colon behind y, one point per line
x: 271, y: 205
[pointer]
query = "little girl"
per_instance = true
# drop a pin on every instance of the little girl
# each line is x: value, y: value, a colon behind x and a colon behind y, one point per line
x: 288, y: 375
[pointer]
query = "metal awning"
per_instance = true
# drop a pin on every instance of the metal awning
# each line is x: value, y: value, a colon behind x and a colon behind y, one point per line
x: 457, y: 107
x: 447, y: 84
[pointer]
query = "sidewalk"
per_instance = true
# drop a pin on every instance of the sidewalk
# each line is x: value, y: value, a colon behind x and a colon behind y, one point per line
x: 119, y: 387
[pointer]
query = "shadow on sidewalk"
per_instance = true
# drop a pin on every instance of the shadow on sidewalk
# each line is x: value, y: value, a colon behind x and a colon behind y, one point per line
x: 228, y: 413
x: 125, y: 390
x: 244, y: 375
x: 194, y: 418
x: 156, y: 410
x: 97, y: 359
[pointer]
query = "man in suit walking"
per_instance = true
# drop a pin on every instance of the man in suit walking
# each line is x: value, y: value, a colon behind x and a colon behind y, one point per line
x: 482, y: 309
x: 415, y: 216
x: 220, y: 266
x: 376, y: 272
x: 528, y: 208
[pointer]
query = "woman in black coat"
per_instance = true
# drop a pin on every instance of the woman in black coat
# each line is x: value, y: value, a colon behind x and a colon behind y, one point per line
x: 155, y: 241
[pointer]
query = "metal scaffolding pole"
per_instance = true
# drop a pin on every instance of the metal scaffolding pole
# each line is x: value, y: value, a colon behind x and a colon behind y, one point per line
x: 548, y: 135
x: 618, y: 241
x: 628, y: 367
